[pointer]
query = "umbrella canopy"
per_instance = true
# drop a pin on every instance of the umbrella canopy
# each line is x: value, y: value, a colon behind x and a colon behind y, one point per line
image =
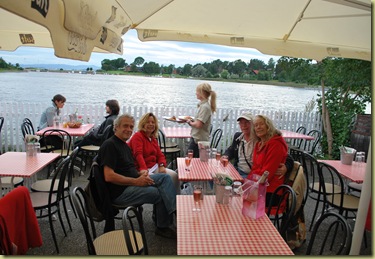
x: 297, y: 28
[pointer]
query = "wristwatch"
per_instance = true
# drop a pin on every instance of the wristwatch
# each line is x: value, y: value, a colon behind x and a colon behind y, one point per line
x: 161, y: 165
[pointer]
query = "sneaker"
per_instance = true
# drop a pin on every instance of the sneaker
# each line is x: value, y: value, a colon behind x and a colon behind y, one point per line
x: 166, y: 232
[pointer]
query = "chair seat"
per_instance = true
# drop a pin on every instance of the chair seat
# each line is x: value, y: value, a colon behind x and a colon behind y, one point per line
x: 45, y: 185
x: 355, y: 186
x: 169, y: 144
x: 90, y: 148
x: 6, y: 181
x: 40, y: 199
x: 64, y: 153
x: 113, y: 243
x: 329, y: 188
x: 172, y: 150
x: 350, y: 202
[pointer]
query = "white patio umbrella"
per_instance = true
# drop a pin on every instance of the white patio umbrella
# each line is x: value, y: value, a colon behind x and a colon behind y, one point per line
x: 312, y: 29
x: 298, y: 28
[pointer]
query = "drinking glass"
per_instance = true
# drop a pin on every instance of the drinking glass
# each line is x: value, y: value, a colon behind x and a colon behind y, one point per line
x: 218, y: 156
x: 187, y: 163
x: 360, y: 157
x: 224, y: 162
x: 197, y: 193
x: 190, y: 153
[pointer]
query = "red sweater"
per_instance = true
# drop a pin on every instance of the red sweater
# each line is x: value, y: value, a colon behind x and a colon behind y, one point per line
x: 146, y: 151
x: 268, y: 159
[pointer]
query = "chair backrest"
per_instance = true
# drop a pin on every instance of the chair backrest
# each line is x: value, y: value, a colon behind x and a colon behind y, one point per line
x: 51, y: 140
x: 310, y: 145
x: 312, y: 171
x: 73, y: 156
x: 1, y: 122
x: 80, y: 200
x: 133, y: 226
x: 331, y: 228
x: 298, y: 142
x: 216, y: 138
x: 331, y: 177
x: 161, y: 141
x: 297, y: 180
x: 60, y: 173
x: 27, y: 127
x: 281, y: 208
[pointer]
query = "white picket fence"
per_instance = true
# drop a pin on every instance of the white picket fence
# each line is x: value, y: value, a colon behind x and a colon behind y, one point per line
x: 14, y: 113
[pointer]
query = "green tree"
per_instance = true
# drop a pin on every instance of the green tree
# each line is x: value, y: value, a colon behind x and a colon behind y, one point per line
x: 198, y: 71
x: 256, y: 64
x: 348, y: 90
x: 186, y: 70
x: 151, y: 68
x: 138, y: 61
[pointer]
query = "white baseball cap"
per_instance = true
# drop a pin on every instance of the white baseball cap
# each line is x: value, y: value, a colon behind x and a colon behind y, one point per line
x: 246, y: 115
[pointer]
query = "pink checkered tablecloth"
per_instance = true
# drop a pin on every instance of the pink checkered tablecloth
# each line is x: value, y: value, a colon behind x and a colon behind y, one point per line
x: 75, y: 132
x: 18, y: 164
x: 177, y: 132
x: 354, y: 172
x: 222, y: 230
x: 202, y: 171
x: 287, y: 134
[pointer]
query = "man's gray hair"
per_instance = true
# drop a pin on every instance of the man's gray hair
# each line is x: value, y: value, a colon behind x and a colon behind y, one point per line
x: 119, y: 119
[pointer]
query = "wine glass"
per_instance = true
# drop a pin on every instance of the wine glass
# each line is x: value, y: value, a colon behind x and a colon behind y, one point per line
x: 197, y: 193
x: 218, y: 156
x: 187, y: 163
x: 224, y: 162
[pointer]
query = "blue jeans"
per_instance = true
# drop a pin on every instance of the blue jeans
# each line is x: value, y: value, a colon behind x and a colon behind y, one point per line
x: 242, y: 173
x: 162, y: 194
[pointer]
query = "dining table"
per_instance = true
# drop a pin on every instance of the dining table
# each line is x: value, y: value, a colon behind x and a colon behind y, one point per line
x: 202, y: 171
x: 287, y: 134
x: 74, y: 132
x: 220, y: 229
x: 354, y: 172
x: 19, y: 164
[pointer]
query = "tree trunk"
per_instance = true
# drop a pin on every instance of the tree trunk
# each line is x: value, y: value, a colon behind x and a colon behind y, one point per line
x: 326, y: 121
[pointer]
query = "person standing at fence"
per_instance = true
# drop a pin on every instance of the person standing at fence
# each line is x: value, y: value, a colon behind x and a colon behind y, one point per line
x: 46, y: 120
x: 270, y: 151
x: 96, y: 136
x: 241, y: 149
x: 200, y: 125
x: 146, y: 150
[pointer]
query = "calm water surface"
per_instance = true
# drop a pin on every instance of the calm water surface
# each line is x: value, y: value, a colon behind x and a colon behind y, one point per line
x: 149, y: 91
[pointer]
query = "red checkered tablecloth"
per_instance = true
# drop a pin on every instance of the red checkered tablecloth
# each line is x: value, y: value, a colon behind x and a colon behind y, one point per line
x: 222, y: 230
x: 19, y: 164
x: 177, y: 132
x: 202, y: 171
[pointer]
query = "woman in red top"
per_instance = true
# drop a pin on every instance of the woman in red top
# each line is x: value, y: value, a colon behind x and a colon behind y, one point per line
x: 146, y: 150
x: 269, y: 152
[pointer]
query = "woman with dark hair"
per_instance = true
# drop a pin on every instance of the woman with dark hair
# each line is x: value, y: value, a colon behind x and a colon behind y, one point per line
x: 96, y: 137
x: 46, y: 120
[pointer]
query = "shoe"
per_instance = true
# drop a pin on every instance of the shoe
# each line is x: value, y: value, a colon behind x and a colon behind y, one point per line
x: 166, y: 232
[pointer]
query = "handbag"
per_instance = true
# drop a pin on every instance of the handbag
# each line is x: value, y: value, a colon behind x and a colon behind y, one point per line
x: 92, y: 198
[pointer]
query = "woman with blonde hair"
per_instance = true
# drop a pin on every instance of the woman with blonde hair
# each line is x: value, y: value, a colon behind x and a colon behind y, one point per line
x: 200, y: 126
x: 269, y: 152
x: 146, y: 150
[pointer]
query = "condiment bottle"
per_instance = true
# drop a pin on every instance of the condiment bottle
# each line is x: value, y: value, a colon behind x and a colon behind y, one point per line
x: 227, y: 194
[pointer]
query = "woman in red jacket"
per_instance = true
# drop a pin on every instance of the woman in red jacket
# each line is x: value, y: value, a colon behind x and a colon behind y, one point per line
x: 146, y: 150
x: 269, y: 152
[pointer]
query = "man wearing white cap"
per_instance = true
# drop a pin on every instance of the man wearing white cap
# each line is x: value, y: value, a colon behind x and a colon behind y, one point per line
x: 241, y: 150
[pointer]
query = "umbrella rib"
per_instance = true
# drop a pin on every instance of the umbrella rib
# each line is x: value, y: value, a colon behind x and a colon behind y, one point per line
x: 299, y: 18
x: 156, y: 11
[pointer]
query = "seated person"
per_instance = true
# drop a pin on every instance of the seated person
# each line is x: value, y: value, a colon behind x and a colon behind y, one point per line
x: 146, y: 150
x: 241, y: 150
x: 127, y: 185
x: 95, y: 137
x: 269, y: 152
x: 46, y: 120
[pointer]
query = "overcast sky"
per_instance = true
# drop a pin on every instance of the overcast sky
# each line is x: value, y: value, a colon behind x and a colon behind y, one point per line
x: 162, y: 52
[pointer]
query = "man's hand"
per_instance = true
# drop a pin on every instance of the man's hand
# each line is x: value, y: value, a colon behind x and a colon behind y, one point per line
x: 144, y: 180
x: 281, y: 170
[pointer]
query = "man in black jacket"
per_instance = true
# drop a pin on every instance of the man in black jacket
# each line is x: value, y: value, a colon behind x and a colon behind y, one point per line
x: 241, y: 150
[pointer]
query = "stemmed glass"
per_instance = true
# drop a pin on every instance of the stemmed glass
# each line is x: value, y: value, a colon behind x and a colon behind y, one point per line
x: 190, y: 153
x: 218, y: 156
x: 197, y: 193
x: 187, y: 163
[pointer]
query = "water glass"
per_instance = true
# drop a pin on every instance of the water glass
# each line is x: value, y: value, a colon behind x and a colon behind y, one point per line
x: 190, y: 153
x: 213, y: 155
x: 218, y: 156
x: 187, y: 163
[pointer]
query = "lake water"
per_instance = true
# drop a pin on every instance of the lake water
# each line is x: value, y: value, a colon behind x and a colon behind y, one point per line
x: 149, y: 91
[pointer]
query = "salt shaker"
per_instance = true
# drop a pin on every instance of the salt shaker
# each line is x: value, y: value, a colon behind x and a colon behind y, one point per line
x: 227, y: 194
